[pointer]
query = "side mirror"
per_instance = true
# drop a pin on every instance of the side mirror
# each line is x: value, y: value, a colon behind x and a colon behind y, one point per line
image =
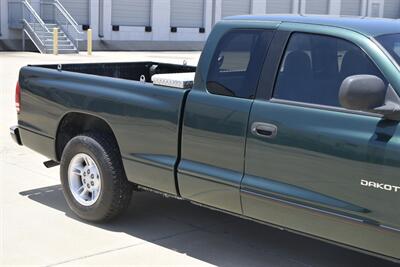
x: 369, y: 93
x: 362, y: 92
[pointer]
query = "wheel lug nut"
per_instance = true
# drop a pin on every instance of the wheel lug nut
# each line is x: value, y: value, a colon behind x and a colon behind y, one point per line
x: 92, y: 176
x: 88, y: 171
x: 92, y: 183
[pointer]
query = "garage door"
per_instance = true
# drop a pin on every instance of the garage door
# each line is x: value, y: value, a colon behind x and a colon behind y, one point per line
x: 234, y: 7
x: 79, y: 10
x: 317, y: 6
x: 187, y: 13
x: 131, y: 12
x: 391, y: 9
x: 351, y: 7
x: 279, y: 6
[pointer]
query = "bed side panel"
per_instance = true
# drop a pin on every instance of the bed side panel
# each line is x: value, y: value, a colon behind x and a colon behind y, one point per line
x: 143, y: 117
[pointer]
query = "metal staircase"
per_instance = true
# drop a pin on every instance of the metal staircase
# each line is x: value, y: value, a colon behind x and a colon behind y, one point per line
x: 39, y: 26
x: 65, y: 45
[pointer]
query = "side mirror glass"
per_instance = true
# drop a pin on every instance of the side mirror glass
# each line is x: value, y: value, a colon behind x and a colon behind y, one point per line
x: 362, y: 92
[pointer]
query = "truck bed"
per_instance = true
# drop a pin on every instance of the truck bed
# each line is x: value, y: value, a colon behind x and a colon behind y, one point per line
x: 135, y: 110
x: 123, y: 70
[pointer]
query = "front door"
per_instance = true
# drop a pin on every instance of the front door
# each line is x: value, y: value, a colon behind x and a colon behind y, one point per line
x: 307, y: 155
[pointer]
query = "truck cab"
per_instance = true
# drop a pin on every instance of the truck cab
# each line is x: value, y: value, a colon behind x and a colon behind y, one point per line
x: 267, y: 134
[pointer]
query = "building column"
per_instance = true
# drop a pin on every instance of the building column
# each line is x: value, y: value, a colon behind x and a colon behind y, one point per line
x: 258, y: 6
x: 3, y: 18
x: 363, y: 11
x: 160, y: 19
x: 302, y: 6
x: 334, y: 7
x: 208, y: 13
x: 217, y: 10
x: 94, y: 18
x: 107, y: 12
x: 296, y: 6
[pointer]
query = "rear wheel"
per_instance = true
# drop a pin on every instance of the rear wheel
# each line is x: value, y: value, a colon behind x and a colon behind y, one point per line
x: 93, y: 179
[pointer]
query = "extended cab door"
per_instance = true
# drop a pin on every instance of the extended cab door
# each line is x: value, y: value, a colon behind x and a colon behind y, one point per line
x: 307, y: 158
x: 216, y: 117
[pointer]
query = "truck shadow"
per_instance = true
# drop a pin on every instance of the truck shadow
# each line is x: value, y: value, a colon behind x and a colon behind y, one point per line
x: 211, y: 236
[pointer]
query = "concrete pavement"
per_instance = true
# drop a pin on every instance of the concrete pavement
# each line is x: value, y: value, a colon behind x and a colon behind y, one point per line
x: 37, y: 227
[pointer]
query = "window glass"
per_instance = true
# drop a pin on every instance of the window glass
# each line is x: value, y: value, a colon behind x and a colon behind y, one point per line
x: 237, y: 61
x: 314, y: 67
x: 391, y: 43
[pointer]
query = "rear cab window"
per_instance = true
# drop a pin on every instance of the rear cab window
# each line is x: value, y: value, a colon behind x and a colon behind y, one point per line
x: 237, y: 62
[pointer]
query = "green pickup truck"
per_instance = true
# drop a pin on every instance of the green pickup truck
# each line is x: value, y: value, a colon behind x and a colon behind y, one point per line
x: 292, y: 121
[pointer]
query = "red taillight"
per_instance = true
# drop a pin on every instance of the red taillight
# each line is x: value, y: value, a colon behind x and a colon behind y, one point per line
x: 18, y: 98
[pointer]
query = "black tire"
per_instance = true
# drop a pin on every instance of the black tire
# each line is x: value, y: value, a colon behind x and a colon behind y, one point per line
x: 116, y: 190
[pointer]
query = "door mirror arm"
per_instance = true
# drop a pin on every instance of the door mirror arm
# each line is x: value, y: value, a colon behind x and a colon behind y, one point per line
x: 391, y: 108
x: 389, y: 111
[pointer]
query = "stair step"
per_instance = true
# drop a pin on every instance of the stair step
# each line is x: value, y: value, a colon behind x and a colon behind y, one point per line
x: 61, y: 47
x: 49, y: 33
x: 47, y: 24
x: 63, y: 51
x: 38, y: 26
x: 50, y: 38
x: 63, y: 42
x: 60, y: 41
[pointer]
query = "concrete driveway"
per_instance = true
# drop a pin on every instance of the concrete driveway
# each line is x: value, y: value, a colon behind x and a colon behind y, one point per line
x: 37, y: 227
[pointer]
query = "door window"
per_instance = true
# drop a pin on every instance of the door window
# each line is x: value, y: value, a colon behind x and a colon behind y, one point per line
x: 314, y: 67
x: 391, y: 43
x: 236, y: 64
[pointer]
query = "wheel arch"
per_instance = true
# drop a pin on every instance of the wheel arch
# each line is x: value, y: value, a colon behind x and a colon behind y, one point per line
x: 76, y: 123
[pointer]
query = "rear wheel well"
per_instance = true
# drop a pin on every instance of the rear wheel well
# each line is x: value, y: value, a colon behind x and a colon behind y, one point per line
x: 74, y: 124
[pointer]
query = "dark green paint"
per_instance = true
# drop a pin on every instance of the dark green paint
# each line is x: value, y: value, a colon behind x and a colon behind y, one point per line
x: 213, y: 143
x: 364, y: 25
x: 134, y: 110
x: 307, y: 179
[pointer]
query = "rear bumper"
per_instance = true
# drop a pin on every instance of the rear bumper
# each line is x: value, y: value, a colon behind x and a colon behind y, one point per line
x: 14, y: 132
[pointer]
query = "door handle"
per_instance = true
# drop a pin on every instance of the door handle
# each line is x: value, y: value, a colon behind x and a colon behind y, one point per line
x: 264, y: 130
